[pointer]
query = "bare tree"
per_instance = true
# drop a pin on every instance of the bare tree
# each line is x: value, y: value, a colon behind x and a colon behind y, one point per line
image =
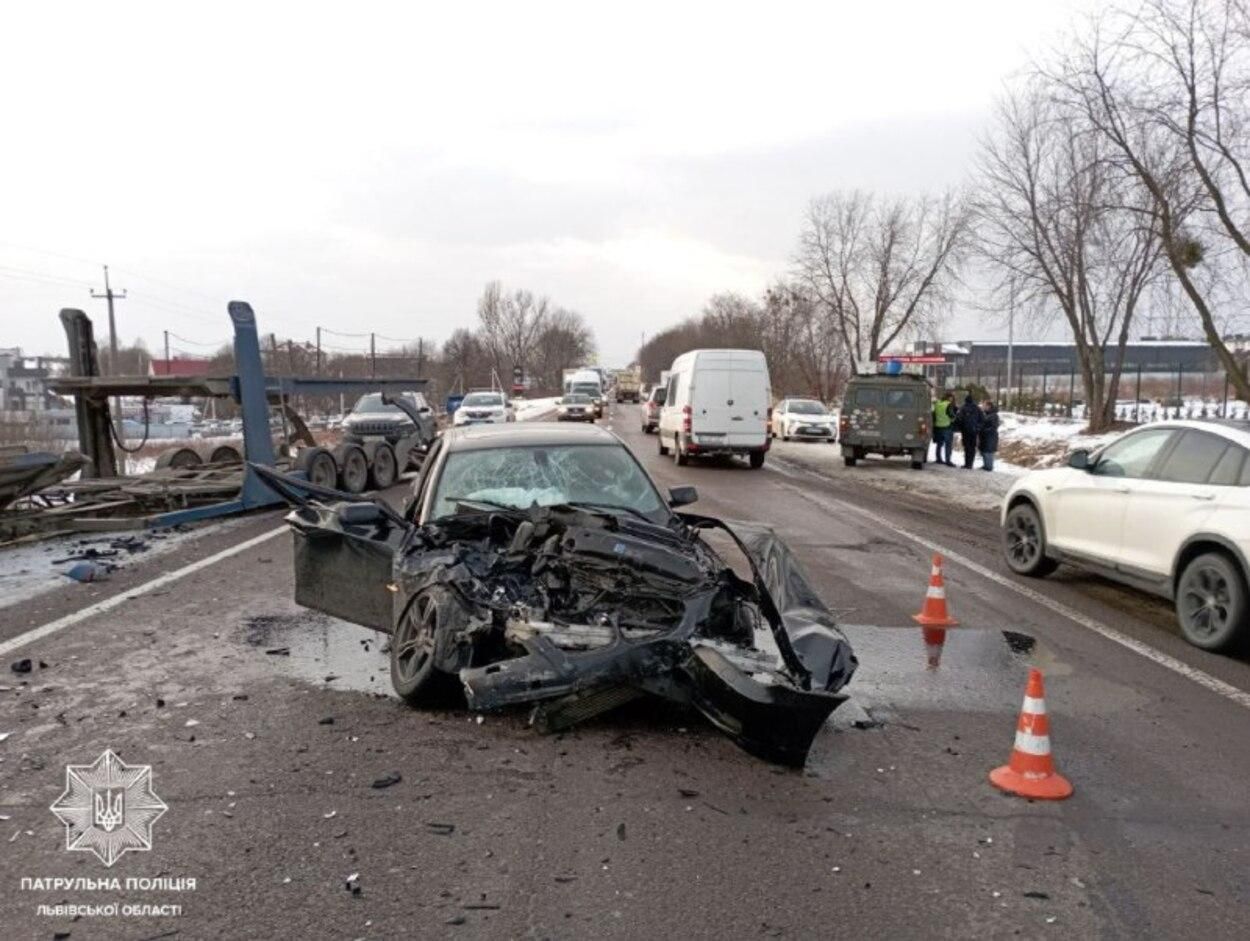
x: 1168, y: 86
x: 565, y: 341
x: 804, y: 346
x: 881, y: 268
x: 1063, y: 226
x: 510, y: 325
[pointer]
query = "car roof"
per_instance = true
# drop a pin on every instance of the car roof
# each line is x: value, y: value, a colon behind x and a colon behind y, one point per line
x: 1234, y: 431
x: 525, y: 434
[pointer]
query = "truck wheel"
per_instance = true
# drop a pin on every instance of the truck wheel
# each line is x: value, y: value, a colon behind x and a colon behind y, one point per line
x: 917, y: 460
x: 757, y: 459
x: 179, y: 458
x: 659, y: 436
x: 382, y: 469
x: 225, y: 454
x: 848, y: 461
x: 679, y: 453
x: 353, y: 468
x: 318, y: 466
x: 1211, y: 604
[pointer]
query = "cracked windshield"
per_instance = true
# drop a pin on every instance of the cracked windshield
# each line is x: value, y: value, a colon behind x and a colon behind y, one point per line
x: 545, y: 476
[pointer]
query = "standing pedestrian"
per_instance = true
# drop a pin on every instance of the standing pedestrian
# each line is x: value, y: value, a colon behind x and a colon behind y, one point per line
x: 987, y: 440
x: 943, y: 428
x: 969, y: 422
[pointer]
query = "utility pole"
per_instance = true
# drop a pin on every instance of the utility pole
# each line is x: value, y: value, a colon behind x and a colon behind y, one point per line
x: 318, y: 351
x: 373, y: 357
x: 168, y: 370
x: 110, y: 295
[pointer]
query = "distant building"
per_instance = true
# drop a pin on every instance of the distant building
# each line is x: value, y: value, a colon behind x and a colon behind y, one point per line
x: 23, y: 383
x: 986, y: 358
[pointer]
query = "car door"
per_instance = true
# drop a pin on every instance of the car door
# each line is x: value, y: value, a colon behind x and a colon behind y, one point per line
x: 1087, y: 508
x: 1175, y: 501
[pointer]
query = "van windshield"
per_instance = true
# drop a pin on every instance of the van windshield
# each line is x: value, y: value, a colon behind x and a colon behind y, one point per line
x: 870, y: 398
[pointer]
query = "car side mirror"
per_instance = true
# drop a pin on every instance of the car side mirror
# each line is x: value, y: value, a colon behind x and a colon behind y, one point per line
x: 1079, y: 460
x: 424, y: 410
x: 682, y: 496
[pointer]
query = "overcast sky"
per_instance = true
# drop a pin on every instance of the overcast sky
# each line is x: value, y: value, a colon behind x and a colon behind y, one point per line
x: 370, y: 166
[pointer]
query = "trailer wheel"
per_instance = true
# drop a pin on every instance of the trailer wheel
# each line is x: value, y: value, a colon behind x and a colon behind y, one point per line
x: 353, y: 468
x: 382, y: 470
x: 179, y: 457
x: 318, y: 466
x: 225, y: 454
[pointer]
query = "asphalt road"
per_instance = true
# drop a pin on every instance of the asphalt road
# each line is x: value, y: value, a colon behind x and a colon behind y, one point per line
x: 644, y: 824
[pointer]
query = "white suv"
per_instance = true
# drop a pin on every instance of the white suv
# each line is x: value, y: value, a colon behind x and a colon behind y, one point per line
x: 1165, y: 508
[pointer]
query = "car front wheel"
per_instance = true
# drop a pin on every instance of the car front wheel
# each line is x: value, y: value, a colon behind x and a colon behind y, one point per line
x: 1024, y: 543
x: 1211, y: 602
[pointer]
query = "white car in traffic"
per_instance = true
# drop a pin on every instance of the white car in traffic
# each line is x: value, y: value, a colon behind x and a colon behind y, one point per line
x: 805, y: 419
x: 1165, y: 508
x: 483, y: 408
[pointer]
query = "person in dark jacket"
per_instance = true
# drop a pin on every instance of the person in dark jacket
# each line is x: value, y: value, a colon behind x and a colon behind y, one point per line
x: 968, y: 421
x: 987, y: 438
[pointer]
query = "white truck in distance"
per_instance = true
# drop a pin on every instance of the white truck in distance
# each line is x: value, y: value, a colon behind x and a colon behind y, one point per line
x: 585, y: 382
x: 717, y: 402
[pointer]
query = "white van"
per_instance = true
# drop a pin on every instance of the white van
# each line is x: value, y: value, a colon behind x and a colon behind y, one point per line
x: 718, y: 402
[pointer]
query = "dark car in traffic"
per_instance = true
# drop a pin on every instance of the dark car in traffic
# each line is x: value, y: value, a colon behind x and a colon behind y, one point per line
x: 540, y: 565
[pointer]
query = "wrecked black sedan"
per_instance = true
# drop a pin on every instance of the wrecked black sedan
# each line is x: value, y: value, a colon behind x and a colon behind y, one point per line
x: 539, y: 564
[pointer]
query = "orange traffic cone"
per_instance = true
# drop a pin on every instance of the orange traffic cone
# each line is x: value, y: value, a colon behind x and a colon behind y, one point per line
x: 934, y: 639
x: 933, y: 612
x: 1031, y: 771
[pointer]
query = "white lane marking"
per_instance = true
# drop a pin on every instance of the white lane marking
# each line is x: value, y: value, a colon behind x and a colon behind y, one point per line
x: 108, y: 604
x: 1201, y: 677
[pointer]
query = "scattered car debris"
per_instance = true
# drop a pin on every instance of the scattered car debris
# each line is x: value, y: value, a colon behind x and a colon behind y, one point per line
x: 387, y: 780
x: 442, y: 829
x: 3, y: 736
x: 88, y: 572
x: 22, y: 666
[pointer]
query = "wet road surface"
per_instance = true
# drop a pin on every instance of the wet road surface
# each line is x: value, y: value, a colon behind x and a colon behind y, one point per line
x: 267, y: 727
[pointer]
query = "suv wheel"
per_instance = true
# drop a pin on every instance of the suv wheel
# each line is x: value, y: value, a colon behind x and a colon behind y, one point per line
x: 1211, y: 602
x: 1024, y: 544
x: 659, y: 436
x: 679, y: 453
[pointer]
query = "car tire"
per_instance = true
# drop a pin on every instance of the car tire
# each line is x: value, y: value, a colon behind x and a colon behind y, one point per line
x: 849, y: 461
x: 1212, y: 603
x: 757, y: 459
x: 423, y: 630
x: 659, y: 437
x: 679, y: 453
x: 1024, y: 542
x: 917, y: 460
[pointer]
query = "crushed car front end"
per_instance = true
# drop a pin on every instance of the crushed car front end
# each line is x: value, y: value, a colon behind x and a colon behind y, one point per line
x: 573, y: 612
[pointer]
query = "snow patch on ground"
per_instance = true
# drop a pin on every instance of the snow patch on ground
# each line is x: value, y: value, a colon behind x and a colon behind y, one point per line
x: 534, y: 409
x: 30, y: 569
x: 1025, y: 443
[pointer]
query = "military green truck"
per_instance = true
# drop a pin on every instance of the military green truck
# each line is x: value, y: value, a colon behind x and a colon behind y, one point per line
x: 887, y: 415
